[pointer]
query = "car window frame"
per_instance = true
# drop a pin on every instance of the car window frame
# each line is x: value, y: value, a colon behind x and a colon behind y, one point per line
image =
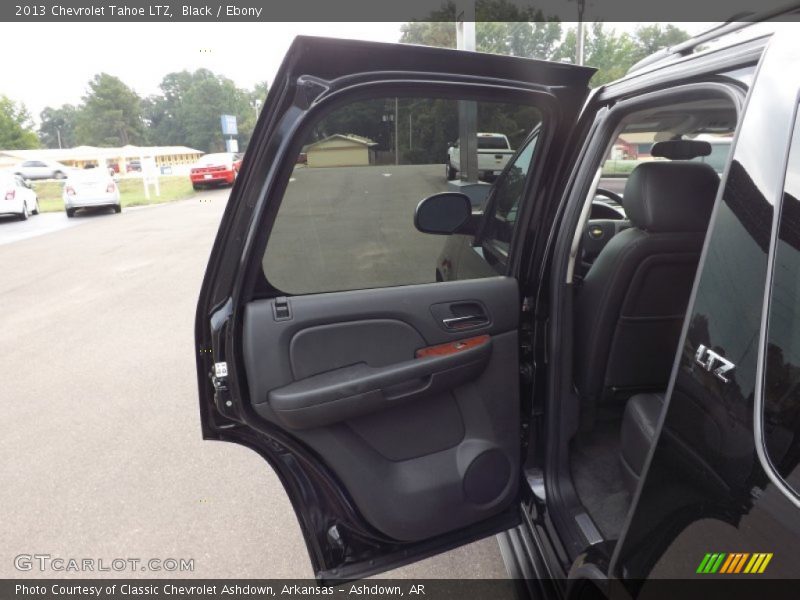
x: 760, y: 442
x: 256, y: 284
x: 481, y: 239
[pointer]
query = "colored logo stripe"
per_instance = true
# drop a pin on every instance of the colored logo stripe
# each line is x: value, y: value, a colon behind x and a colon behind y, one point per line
x: 729, y: 562
x: 758, y: 563
x: 736, y: 563
x: 711, y: 562
x: 703, y: 564
x: 721, y: 562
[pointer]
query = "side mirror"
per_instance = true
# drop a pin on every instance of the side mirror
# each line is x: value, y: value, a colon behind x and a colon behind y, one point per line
x: 445, y: 213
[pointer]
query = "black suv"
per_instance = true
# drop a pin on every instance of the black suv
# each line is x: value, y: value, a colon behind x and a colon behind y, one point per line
x: 614, y: 392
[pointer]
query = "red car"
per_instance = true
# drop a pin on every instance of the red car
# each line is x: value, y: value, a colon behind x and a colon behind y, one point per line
x: 214, y: 169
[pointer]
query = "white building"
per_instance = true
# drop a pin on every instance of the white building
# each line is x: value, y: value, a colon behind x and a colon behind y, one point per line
x: 80, y: 156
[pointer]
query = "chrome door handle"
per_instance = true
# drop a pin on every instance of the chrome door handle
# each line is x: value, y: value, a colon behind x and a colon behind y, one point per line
x: 454, y: 322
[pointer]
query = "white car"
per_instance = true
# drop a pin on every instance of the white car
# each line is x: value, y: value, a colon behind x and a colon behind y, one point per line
x: 42, y: 169
x: 17, y: 197
x: 494, y: 151
x: 90, y: 188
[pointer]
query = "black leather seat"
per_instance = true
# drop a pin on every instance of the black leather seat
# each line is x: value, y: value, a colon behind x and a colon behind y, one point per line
x: 631, y: 304
x: 638, y: 433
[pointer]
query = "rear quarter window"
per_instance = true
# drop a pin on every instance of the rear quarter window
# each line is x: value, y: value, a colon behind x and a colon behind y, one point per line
x: 492, y: 143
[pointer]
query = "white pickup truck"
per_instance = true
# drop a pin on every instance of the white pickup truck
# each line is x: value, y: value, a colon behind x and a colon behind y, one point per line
x: 494, y: 151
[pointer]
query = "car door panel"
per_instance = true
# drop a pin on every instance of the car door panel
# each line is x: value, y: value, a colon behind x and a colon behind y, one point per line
x: 391, y: 415
x: 422, y: 432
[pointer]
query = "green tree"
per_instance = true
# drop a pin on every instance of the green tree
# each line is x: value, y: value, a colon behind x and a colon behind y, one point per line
x: 188, y: 110
x: 16, y: 128
x: 111, y: 114
x: 259, y: 94
x: 501, y: 28
x: 613, y: 54
x: 651, y: 38
x: 429, y: 33
x: 439, y: 30
x: 57, y: 129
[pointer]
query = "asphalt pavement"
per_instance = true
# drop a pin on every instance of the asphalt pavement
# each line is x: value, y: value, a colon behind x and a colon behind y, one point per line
x: 101, y: 456
x: 14, y: 230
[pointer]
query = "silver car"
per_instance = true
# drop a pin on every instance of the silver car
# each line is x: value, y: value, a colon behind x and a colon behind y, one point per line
x: 90, y: 188
x: 42, y: 169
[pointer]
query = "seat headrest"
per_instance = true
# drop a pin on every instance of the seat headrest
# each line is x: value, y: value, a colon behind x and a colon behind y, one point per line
x: 680, y: 149
x: 670, y: 196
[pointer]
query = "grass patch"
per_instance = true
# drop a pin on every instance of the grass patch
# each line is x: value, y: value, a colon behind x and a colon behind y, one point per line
x: 131, y: 192
x: 619, y: 167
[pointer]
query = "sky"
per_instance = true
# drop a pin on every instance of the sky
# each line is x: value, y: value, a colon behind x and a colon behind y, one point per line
x: 141, y: 54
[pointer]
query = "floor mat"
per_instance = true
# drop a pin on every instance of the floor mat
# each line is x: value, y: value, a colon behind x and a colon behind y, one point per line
x: 597, y: 475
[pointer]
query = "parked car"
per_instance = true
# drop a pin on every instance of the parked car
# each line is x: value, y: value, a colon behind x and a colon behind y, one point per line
x: 614, y: 392
x: 133, y: 166
x: 42, y: 169
x: 90, y: 188
x: 17, y: 196
x: 494, y: 151
x: 215, y: 169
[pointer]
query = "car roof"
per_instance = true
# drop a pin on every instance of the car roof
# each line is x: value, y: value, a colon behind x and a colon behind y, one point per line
x: 731, y: 33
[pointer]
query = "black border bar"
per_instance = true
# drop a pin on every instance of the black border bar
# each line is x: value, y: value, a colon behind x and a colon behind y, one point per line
x: 390, y: 10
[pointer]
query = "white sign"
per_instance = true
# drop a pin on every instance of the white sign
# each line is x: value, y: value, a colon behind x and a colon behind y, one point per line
x: 149, y: 175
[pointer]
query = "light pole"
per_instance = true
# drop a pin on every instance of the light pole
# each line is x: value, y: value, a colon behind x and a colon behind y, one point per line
x: 388, y: 118
x: 580, y: 34
x: 467, y: 109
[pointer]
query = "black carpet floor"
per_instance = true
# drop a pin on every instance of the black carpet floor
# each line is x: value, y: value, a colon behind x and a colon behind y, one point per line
x: 597, y: 476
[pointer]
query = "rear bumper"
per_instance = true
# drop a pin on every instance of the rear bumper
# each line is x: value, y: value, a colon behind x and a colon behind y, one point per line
x: 88, y: 201
x: 12, y: 207
x: 213, y: 177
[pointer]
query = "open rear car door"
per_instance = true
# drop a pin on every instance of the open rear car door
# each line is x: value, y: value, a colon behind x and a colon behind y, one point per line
x: 391, y: 413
